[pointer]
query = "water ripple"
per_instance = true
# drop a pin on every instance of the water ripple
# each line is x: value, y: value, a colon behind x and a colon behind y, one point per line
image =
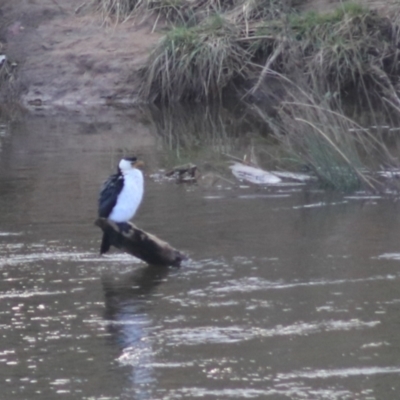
x: 389, y: 256
x: 234, y: 334
x: 252, y: 284
x: 293, y: 393
x: 26, y: 294
x: 340, y: 373
x: 15, y: 260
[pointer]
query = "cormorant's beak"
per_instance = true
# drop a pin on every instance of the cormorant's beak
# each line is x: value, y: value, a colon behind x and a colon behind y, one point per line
x: 138, y: 164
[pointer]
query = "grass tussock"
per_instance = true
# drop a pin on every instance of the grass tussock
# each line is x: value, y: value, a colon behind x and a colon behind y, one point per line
x: 195, y: 63
x: 315, y: 133
x: 317, y: 138
x: 352, y: 48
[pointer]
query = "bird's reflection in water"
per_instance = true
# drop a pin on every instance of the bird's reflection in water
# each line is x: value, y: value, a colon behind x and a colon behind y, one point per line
x: 128, y: 302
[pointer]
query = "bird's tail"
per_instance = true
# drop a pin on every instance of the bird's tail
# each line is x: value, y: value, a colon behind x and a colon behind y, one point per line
x: 105, y: 243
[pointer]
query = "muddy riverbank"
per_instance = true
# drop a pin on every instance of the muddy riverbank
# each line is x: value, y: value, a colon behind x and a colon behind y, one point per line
x: 66, y: 54
x: 69, y: 58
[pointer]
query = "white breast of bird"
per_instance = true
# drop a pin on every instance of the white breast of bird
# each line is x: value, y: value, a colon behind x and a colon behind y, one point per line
x: 129, y: 198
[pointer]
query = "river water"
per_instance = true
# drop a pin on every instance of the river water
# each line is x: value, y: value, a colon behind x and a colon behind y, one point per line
x: 290, y: 292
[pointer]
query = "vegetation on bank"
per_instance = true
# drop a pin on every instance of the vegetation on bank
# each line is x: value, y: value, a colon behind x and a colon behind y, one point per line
x: 195, y: 63
x: 315, y: 132
x: 350, y: 49
x: 210, y: 46
x: 246, y: 46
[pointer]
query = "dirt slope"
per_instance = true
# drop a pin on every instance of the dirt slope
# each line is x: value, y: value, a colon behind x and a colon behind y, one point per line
x: 72, y: 59
x: 69, y: 57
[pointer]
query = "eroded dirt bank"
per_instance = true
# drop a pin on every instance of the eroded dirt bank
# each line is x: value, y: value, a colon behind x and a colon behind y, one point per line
x: 67, y: 56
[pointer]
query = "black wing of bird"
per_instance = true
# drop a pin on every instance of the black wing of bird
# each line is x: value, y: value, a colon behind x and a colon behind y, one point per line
x: 109, y: 194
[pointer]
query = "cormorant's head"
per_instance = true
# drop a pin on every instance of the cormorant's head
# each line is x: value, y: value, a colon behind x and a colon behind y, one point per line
x: 129, y: 163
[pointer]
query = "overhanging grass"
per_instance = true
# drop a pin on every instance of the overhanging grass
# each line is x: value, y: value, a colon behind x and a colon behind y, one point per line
x: 194, y: 63
x: 351, y: 48
x: 317, y: 134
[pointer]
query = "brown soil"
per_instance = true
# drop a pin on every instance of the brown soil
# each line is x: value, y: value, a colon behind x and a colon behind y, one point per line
x: 71, y: 58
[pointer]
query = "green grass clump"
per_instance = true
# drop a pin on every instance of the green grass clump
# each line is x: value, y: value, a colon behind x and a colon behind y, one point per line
x: 307, y: 22
x: 194, y: 63
x: 315, y: 132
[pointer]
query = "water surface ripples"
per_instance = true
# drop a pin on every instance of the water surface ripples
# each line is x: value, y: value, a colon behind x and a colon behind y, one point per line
x: 289, y: 293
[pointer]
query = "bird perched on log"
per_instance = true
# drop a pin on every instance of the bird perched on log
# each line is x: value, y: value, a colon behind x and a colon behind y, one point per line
x: 121, y: 195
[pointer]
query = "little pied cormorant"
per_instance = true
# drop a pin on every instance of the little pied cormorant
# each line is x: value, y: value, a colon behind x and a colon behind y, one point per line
x: 121, y: 195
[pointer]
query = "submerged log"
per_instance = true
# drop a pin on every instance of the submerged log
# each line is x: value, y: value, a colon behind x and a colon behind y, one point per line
x: 149, y: 248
